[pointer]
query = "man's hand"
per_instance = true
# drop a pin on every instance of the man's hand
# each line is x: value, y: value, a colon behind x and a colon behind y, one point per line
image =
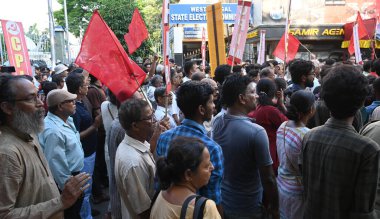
x: 74, y: 188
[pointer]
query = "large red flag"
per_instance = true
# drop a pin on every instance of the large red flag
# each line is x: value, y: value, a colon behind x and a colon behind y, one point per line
x: 102, y: 55
x: 293, y: 45
x: 137, y: 32
x: 362, y: 32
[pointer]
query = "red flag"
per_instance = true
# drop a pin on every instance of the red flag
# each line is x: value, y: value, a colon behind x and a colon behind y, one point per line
x: 102, y: 55
x: 137, y: 32
x: 293, y: 45
x: 362, y: 32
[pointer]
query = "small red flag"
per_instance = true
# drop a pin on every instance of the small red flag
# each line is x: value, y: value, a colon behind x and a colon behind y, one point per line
x: 362, y: 32
x: 137, y: 32
x: 293, y: 45
x: 102, y: 55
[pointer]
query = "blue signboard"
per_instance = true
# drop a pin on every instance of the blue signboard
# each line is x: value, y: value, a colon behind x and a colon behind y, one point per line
x: 196, y: 13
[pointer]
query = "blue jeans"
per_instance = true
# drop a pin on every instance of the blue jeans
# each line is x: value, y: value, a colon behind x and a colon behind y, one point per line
x: 88, y: 167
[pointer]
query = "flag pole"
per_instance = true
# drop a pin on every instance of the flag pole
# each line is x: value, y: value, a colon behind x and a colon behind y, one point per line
x: 238, y: 38
x: 287, y: 26
x: 145, y: 97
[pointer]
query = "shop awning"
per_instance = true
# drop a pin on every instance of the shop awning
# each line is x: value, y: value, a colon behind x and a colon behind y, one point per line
x: 370, y: 25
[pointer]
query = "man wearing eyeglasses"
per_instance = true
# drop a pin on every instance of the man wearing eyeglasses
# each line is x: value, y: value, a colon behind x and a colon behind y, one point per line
x: 27, y: 186
x: 135, y: 166
x: 61, y: 142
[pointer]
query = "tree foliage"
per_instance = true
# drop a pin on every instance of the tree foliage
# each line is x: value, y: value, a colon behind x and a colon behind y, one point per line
x: 118, y: 15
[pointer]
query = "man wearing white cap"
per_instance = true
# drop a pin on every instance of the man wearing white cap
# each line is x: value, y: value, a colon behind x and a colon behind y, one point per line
x: 61, y: 69
x: 61, y: 142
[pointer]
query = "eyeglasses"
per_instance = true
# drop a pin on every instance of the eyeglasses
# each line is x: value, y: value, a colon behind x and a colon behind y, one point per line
x: 33, y: 99
x: 152, y: 119
x: 68, y: 101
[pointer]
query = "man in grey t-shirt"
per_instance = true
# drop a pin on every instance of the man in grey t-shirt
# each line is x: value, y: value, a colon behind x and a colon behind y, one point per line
x: 248, y: 175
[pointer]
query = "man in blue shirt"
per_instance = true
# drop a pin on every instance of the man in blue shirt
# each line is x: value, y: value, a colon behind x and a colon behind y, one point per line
x: 195, y: 100
x: 61, y: 142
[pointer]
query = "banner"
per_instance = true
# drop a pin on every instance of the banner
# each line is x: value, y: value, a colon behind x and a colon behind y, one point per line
x: 16, y: 47
x: 355, y: 34
x: 261, y: 48
x: 203, y: 48
x: 215, y: 31
x: 165, y: 43
x: 239, y: 34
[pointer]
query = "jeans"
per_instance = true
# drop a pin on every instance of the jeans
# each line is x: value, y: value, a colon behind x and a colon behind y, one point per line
x: 89, y: 163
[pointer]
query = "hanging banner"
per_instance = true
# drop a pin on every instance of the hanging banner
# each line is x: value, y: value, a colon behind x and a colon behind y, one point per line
x: 165, y: 43
x: 261, y: 48
x: 203, y: 48
x: 215, y: 31
x: 358, y: 55
x: 239, y: 34
x: 16, y: 47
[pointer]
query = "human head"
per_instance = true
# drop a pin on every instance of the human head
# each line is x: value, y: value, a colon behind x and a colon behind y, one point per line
x: 267, y: 72
x: 198, y: 76
x: 214, y: 87
x: 376, y: 66
x: 221, y: 72
x: 190, y: 67
x: 352, y: 59
x: 112, y: 98
x: 137, y: 118
x: 160, y: 95
x: 280, y: 84
x: 157, y: 81
x: 330, y: 62
x: 147, y: 66
x: 61, y: 102
x: 175, y: 78
x: 367, y: 66
x: 195, y: 100
x: 239, y: 91
x: 302, y: 72
x: 254, y: 75
x: 188, y: 161
x: 61, y: 69
x: 59, y: 79
x: 344, y: 90
x: 301, y: 104
x: 77, y: 84
x: 266, y: 89
x: 48, y: 86
x: 279, y: 70
x: 20, y: 107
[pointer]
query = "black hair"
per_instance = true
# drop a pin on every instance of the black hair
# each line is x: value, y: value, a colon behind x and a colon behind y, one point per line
x: 250, y: 67
x: 371, y: 79
x: 280, y: 84
x: 253, y: 73
x: 77, y: 70
x: 74, y: 81
x: 93, y: 79
x: 159, y: 92
x: 376, y: 66
x: 298, y: 68
x: 324, y: 71
x: 185, y: 153
x: 329, y: 62
x: 266, y: 89
x: 376, y: 86
x: 367, y: 66
x: 265, y: 72
x: 57, y: 78
x: 7, y: 92
x: 191, y: 95
x: 112, y: 98
x: 301, y: 102
x: 237, y: 69
x: 233, y: 86
x: 344, y: 90
x: 173, y: 73
x: 130, y: 112
x: 221, y: 72
x: 48, y: 86
x: 187, y: 67
x: 27, y: 77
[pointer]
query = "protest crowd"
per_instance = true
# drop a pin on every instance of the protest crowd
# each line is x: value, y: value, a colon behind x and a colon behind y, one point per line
x: 260, y: 141
x: 161, y: 140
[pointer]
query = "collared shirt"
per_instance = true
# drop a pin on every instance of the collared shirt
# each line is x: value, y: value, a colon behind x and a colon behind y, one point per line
x: 160, y: 114
x: 27, y: 186
x: 150, y: 93
x: 340, y: 171
x: 134, y: 172
x: 369, y: 110
x: 62, y: 148
x: 190, y: 128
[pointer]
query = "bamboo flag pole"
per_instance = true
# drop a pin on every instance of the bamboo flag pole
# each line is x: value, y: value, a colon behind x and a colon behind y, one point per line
x: 142, y: 92
x: 242, y: 14
x: 287, y: 26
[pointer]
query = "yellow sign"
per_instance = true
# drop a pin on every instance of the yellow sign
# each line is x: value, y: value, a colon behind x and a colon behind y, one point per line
x: 317, y: 31
x: 215, y: 30
x: 253, y: 34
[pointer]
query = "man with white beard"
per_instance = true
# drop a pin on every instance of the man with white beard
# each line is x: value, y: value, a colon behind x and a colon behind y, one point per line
x: 26, y: 183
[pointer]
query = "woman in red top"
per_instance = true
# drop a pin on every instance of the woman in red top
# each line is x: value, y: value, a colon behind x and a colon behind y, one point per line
x: 268, y: 116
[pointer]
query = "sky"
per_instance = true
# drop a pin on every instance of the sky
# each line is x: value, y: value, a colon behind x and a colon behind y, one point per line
x: 28, y: 12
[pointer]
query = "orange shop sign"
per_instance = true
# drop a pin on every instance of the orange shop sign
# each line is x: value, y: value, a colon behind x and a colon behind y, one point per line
x: 16, y: 47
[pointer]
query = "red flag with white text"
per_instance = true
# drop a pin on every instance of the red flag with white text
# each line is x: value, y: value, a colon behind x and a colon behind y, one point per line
x: 102, y: 55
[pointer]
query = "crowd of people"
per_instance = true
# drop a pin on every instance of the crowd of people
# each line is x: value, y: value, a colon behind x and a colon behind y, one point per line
x: 291, y: 141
